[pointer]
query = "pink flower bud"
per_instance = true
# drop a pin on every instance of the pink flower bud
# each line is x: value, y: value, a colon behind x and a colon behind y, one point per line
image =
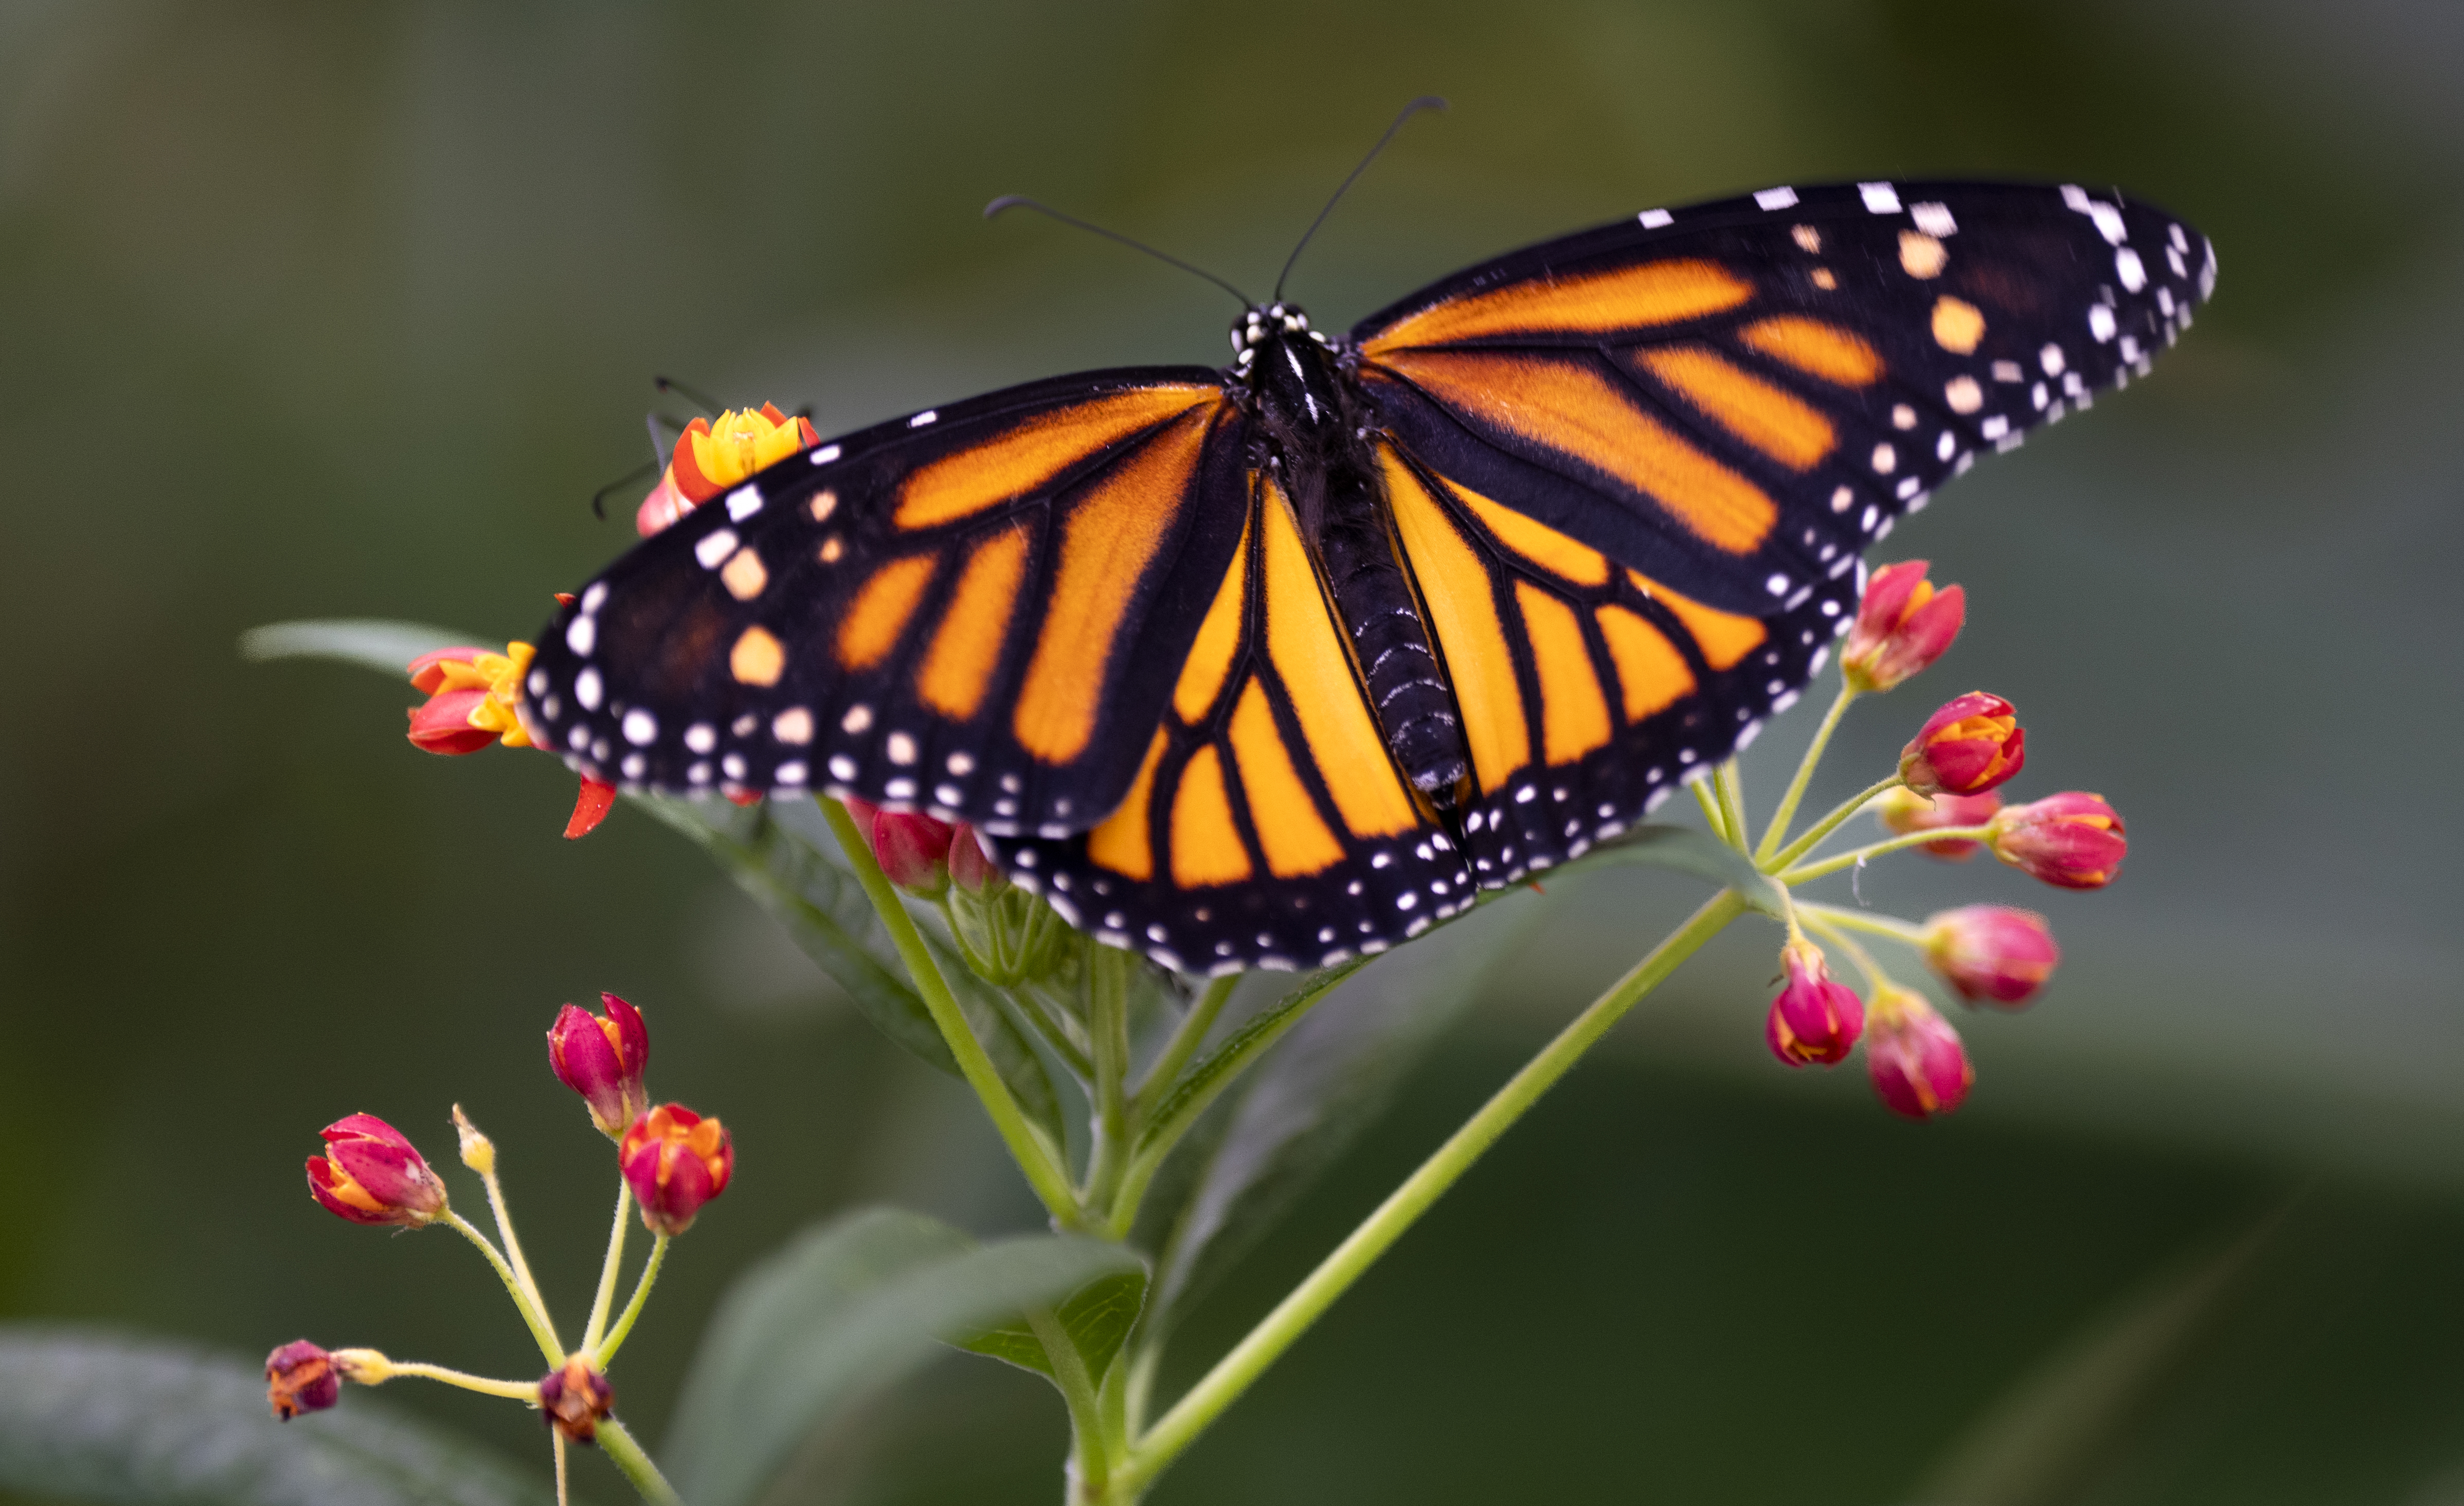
x: 574, y: 1398
x: 971, y: 867
x: 1991, y: 952
x: 1904, y: 812
x: 601, y: 1057
x: 1813, y: 1019
x: 1903, y: 625
x: 1972, y: 744
x: 2072, y: 840
x: 300, y: 1377
x: 442, y: 723
x: 674, y: 1160
x: 1917, y: 1063
x: 370, y: 1174
x: 913, y: 851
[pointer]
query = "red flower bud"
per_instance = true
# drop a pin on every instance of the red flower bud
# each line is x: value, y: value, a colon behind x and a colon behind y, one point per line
x: 1972, y: 744
x: 471, y: 694
x: 971, y: 867
x: 913, y: 851
x: 370, y: 1174
x: 674, y: 1160
x: 1904, y: 811
x: 1917, y: 1063
x: 442, y: 723
x: 1813, y: 1019
x: 601, y: 1057
x: 590, y: 806
x: 1992, y: 952
x: 300, y: 1377
x: 2072, y: 840
x: 1903, y: 625
x: 574, y: 1398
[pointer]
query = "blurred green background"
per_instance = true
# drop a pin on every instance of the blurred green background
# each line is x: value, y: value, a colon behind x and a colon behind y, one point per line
x: 329, y: 310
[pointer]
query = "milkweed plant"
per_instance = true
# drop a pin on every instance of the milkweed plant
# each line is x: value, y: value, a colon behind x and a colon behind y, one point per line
x: 1098, y: 1069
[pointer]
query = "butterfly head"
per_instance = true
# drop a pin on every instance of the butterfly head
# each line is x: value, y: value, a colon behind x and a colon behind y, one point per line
x: 1266, y: 321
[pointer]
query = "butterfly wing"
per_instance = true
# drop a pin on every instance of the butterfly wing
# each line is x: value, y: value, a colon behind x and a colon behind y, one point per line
x: 1652, y: 455
x: 1268, y: 824
x: 978, y: 609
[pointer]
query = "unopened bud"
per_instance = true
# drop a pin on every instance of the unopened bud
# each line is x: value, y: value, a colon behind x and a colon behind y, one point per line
x: 1903, y: 625
x: 300, y: 1377
x: 1972, y: 744
x: 1813, y: 1019
x: 574, y: 1398
x: 1918, y: 1065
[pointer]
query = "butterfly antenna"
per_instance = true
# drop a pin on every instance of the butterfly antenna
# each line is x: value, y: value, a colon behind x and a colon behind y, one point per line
x: 599, y: 498
x: 1019, y: 201
x: 696, y: 399
x: 1426, y: 101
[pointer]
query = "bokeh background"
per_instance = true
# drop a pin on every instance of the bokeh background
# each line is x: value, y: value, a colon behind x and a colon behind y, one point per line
x: 347, y: 310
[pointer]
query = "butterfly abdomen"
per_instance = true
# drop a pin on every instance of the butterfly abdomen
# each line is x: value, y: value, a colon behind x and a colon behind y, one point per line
x: 1406, y: 687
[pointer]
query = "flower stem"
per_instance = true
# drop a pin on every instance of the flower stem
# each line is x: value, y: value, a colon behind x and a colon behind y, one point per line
x: 1838, y: 936
x: 1090, y: 1458
x: 1731, y: 788
x: 521, y: 1268
x: 1711, y: 813
x: 1050, y: 1184
x: 1107, y: 1029
x: 1815, y: 834
x: 534, y: 1313
x: 1850, y: 859
x: 1890, y: 925
x: 628, y: 1457
x: 1805, y: 767
x: 1185, y: 1040
x: 607, y: 1346
x: 1264, y: 1344
x: 367, y: 1367
x: 608, y: 1269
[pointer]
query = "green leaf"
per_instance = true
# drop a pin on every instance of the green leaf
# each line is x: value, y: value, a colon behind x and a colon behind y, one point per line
x: 1329, y: 1078
x: 1097, y: 1318
x: 1690, y: 850
x: 92, y: 1416
x: 371, y: 643
x: 848, y: 1308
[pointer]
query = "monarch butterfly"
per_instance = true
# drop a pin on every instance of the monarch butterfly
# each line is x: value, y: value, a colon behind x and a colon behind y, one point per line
x: 1281, y: 663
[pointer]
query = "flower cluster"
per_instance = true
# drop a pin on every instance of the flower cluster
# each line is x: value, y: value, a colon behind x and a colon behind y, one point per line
x: 1943, y: 799
x: 471, y: 700
x: 670, y: 1161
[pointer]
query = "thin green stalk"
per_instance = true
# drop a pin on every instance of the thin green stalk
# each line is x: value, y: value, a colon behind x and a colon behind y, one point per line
x: 521, y: 1268
x: 556, y: 1449
x: 607, y: 1346
x: 1850, y: 859
x: 1189, y: 1036
x: 533, y: 1312
x: 1815, y: 834
x: 1805, y: 767
x: 1838, y: 936
x: 1181, y: 1109
x: 1025, y: 1147
x: 1731, y: 787
x: 1293, y: 1316
x: 1040, y: 1019
x: 367, y: 1367
x: 1890, y: 925
x: 627, y: 1455
x: 1711, y: 812
x: 608, y: 1270
x: 1090, y: 1459
x: 1107, y: 1030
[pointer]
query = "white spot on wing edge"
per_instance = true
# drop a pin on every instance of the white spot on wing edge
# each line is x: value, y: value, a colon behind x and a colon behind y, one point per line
x: 1782, y: 197
x: 744, y: 502
x: 1654, y: 219
x: 929, y: 415
x: 1881, y: 198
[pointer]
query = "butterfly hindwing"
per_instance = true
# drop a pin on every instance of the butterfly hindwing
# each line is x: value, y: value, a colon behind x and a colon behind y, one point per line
x: 978, y: 609
x: 1268, y: 824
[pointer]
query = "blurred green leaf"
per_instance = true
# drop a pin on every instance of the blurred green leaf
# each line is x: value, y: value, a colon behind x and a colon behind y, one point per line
x: 90, y: 1416
x: 1097, y: 1318
x: 1689, y: 850
x: 369, y: 642
x: 848, y: 1308
x: 2036, y: 1441
x: 1328, y: 1080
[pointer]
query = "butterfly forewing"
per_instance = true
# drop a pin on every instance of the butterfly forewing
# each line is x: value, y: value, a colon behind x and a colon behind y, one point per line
x: 979, y: 611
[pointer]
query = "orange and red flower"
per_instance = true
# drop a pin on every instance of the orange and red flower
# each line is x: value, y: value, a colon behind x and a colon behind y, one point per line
x: 601, y: 1057
x: 1813, y: 1019
x: 674, y: 1160
x: 371, y: 1174
x: 1918, y: 1065
x: 711, y: 457
x: 1903, y: 625
x: 1972, y: 744
x: 2074, y: 839
x: 1991, y: 952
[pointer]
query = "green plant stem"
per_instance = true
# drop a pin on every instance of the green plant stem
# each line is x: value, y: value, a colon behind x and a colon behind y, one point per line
x: 1090, y: 1455
x: 628, y: 1457
x: 1040, y: 1018
x: 1830, y: 823
x: 1238, y: 1370
x: 608, y: 1269
x: 512, y: 1247
x: 1889, y: 925
x: 1838, y: 936
x: 1107, y: 1031
x: 1850, y: 859
x: 533, y: 1312
x: 606, y: 1348
x: 1186, y: 1038
x: 1731, y: 788
x: 396, y: 1369
x: 1805, y: 767
x: 1710, y: 804
x: 555, y: 1448
x: 1050, y: 1184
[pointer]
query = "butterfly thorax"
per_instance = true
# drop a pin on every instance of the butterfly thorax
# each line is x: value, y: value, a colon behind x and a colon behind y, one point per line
x: 1317, y: 449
